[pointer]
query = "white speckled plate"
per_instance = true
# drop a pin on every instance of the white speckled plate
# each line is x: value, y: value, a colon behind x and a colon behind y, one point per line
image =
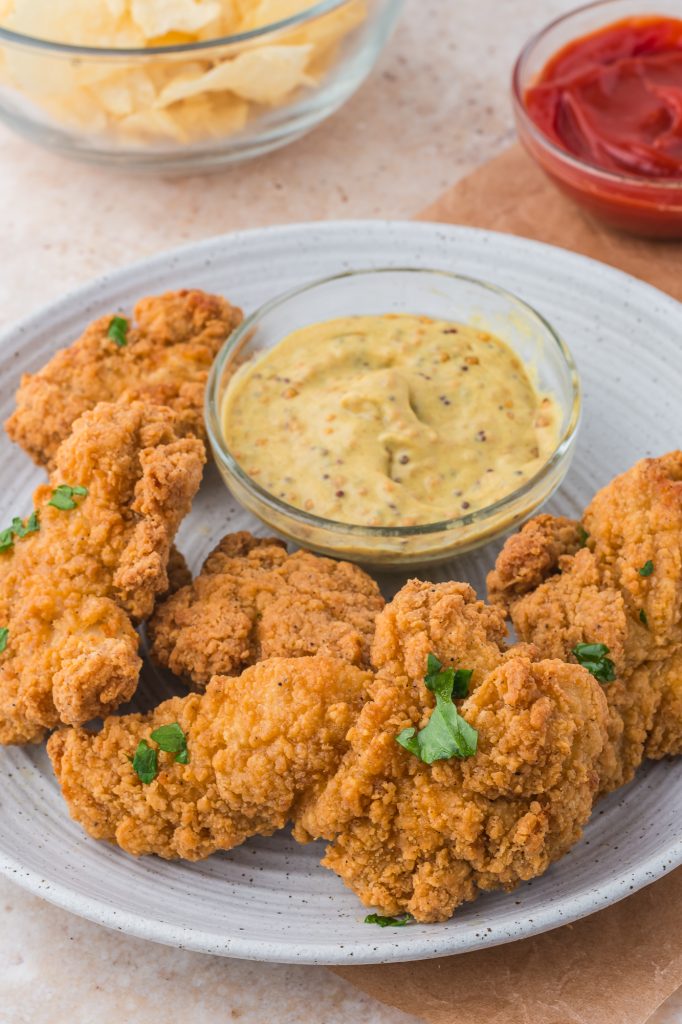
x: 269, y: 899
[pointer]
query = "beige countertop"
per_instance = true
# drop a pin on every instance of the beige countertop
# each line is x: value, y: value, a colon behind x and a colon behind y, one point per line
x: 435, y: 108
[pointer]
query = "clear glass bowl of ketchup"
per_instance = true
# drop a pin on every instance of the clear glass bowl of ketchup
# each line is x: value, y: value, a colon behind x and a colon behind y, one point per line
x: 598, y: 104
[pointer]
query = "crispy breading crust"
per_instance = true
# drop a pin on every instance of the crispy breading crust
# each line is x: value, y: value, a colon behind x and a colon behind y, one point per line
x: 438, y: 617
x: 260, y: 746
x: 417, y: 838
x: 69, y: 591
x: 531, y: 555
x: 558, y: 599
x: 178, y: 573
x: 297, y: 739
x: 166, y: 361
x: 253, y: 601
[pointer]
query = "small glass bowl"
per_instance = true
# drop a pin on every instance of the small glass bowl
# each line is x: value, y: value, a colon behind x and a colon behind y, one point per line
x: 432, y: 293
x: 651, y: 208
x: 111, y: 106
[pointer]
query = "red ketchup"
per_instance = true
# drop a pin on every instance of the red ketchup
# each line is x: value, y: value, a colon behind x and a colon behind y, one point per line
x: 613, y: 100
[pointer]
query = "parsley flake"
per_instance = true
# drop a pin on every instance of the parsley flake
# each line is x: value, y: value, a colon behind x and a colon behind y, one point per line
x: 172, y: 739
x: 389, y: 922
x: 642, y: 617
x: 460, y: 678
x: 145, y: 762
x: 446, y: 734
x: 593, y: 658
x: 583, y: 535
x: 20, y: 528
x: 4, y: 637
x: 118, y: 331
x: 646, y: 569
x: 63, y: 495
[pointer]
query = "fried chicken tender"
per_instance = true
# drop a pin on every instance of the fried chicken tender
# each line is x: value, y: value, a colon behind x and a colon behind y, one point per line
x: 254, y: 601
x: 312, y: 740
x: 412, y: 837
x: 165, y: 361
x: 69, y: 590
x: 260, y: 747
x: 622, y: 589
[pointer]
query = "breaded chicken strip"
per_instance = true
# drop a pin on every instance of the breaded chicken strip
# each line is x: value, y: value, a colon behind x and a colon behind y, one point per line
x: 253, y: 601
x: 165, y: 360
x: 294, y: 739
x: 622, y: 589
x: 260, y: 746
x: 424, y: 838
x: 123, y: 481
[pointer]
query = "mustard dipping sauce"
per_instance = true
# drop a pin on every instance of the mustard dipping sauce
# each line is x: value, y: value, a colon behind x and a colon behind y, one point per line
x: 393, y: 420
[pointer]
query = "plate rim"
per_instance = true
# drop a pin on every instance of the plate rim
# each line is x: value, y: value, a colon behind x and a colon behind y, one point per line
x: 153, y: 930
x: 619, y: 886
x: 90, y: 287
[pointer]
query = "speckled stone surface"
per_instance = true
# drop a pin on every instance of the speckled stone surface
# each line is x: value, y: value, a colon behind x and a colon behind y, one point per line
x: 435, y: 108
x: 57, y: 968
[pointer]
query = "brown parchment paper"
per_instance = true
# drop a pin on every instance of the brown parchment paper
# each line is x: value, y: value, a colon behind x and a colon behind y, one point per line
x: 617, y: 966
x: 511, y: 194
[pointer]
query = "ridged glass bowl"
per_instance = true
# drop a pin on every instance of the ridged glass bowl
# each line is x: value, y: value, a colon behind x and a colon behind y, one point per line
x: 198, y: 105
x: 432, y: 293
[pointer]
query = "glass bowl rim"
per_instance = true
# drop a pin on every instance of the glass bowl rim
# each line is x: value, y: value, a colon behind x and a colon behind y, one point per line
x: 564, y: 155
x: 212, y: 414
x: 74, y: 49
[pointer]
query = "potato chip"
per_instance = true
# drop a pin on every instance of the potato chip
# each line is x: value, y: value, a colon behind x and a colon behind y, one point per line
x: 174, y: 98
x: 325, y: 32
x: 151, y: 126
x: 126, y: 91
x: 267, y: 12
x: 82, y: 111
x: 74, y: 21
x: 189, y: 119
x: 157, y: 17
x: 264, y: 75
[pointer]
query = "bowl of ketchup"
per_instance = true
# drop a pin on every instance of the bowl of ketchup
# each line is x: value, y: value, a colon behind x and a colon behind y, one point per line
x: 598, y: 104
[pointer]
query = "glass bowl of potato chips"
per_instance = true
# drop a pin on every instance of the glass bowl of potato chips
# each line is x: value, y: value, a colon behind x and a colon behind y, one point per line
x: 182, y: 84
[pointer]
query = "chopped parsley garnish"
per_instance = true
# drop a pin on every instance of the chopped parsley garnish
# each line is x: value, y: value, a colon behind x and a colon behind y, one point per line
x: 172, y: 739
x: 118, y: 331
x: 583, y: 535
x: 145, y: 762
x: 460, y: 678
x: 593, y: 658
x: 4, y: 637
x: 19, y: 528
x: 642, y: 617
x: 646, y: 569
x: 388, y: 922
x: 62, y: 497
x: 446, y: 734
